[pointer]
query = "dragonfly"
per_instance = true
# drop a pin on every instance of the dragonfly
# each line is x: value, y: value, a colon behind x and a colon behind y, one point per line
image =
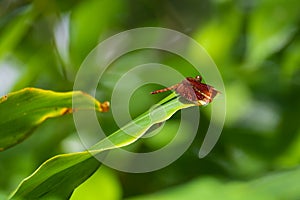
x: 193, y: 90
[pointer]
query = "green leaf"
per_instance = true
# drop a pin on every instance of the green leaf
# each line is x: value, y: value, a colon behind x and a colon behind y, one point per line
x: 272, y: 25
x: 15, y: 30
x: 103, y: 178
x: 52, y: 177
x: 22, y: 111
x: 57, y: 177
x: 280, y: 185
x: 218, y: 36
x: 84, y: 38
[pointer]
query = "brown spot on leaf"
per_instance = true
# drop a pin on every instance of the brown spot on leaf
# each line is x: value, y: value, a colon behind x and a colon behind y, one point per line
x: 104, y: 107
x: 4, y: 98
x: 67, y: 111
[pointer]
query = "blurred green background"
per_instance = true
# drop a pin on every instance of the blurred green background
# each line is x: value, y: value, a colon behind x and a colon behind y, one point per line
x: 256, y: 46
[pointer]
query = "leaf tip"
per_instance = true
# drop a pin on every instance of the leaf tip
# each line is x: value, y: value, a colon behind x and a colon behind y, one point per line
x: 4, y: 98
x: 104, y: 107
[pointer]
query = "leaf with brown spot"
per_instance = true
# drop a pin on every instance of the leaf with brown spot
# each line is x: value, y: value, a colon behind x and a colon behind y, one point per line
x: 22, y: 111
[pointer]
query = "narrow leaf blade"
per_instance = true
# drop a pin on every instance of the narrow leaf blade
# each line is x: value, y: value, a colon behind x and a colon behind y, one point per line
x: 50, y: 179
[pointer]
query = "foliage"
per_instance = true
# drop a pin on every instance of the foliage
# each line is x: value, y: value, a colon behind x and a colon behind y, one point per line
x: 27, y: 108
x: 60, y: 175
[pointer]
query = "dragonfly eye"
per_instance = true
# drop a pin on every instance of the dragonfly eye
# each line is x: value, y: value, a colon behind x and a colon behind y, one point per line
x: 198, y: 78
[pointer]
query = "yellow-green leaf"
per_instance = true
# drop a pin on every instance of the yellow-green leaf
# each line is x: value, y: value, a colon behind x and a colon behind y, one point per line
x: 22, y: 111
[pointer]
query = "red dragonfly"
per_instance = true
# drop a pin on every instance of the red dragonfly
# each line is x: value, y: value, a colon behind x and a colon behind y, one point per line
x: 193, y: 90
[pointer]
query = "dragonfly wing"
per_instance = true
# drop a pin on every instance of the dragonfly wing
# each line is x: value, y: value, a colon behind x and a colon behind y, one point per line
x: 205, y: 93
x: 185, y: 89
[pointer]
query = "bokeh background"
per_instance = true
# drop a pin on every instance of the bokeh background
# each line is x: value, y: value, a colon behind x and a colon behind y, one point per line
x: 256, y: 46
